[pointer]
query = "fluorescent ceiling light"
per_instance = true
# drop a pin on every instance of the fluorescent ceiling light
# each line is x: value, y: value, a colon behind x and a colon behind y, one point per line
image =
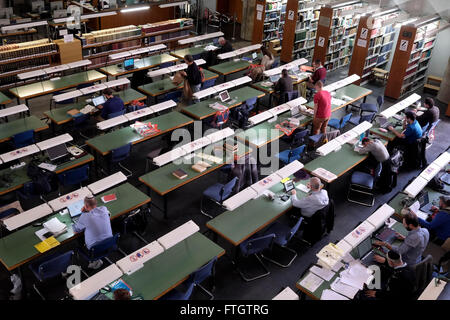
x: 173, y: 4
x: 24, y: 25
x: 135, y: 9
x: 97, y: 15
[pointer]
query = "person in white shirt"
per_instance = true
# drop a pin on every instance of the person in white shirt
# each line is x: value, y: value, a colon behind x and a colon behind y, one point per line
x: 316, y: 199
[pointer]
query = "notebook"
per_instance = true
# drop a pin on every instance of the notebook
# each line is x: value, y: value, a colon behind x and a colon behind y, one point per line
x: 180, y: 174
x: 109, y: 198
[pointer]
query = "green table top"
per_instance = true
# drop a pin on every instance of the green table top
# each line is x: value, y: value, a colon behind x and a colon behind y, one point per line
x: 59, y: 115
x: 385, y: 135
x: 18, y: 247
x: 192, y: 51
x: 238, y: 225
x: 170, y: 268
x: 270, y: 89
x: 162, y: 181
x: 19, y: 176
x: 352, y: 91
x: 265, y: 132
x: 230, y: 67
x: 44, y: 87
x: 398, y: 227
x: 159, y: 87
x: 9, y: 129
x: 106, y: 142
x: 201, y: 110
x: 4, y: 99
x: 142, y: 64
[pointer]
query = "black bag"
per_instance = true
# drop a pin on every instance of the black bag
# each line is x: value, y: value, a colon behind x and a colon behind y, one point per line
x: 43, y: 180
x: 436, y: 184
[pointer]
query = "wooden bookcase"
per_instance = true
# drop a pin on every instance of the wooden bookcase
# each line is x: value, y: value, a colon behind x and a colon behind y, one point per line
x: 268, y: 20
x: 412, y: 56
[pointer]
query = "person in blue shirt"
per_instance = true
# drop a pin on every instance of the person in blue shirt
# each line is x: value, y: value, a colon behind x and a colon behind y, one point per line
x: 96, y: 224
x: 439, y: 225
x: 411, y: 132
x: 113, y: 104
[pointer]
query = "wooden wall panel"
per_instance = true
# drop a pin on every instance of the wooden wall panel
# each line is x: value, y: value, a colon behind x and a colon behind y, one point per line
x: 323, y: 31
x: 359, y: 54
x: 289, y: 31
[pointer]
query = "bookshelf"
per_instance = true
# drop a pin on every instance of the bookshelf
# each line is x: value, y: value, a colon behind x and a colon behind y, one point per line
x: 269, y: 20
x: 23, y: 57
x: 374, y: 42
x: 335, y: 36
x: 412, y: 56
x: 167, y: 32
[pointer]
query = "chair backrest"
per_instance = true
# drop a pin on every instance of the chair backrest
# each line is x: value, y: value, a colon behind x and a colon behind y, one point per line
x: 166, y: 65
x: 380, y: 101
x: 257, y: 244
x: 84, y: 85
x: 74, y: 176
x: 188, y: 292
x: 82, y: 118
x: 367, y: 117
x: 120, y: 153
x: 204, y: 272
x: 55, y: 266
x: 116, y: 114
x: 208, y: 83
x: 294, y: 229
x: 295, y: 153
x: 299, y: 137
x: 9, y: 212
x: 23, y: 139
x: 250, y: 102
x: 423, y: 271
x: 330, y: 135
x: 228, y: 188
x: 103, y: 248
x: 344, y: 120
x: 173, y: 95
x: 275, y: 64
x: 425, y: 129
x: 291, y: 95
x: 432, y: 127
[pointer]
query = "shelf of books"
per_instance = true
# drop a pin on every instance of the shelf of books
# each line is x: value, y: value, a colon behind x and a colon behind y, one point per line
x: 23, y: 57
x: 167, y: 32
x: 412, y: 56
x: 374, y: 42
x: 268, y: 21
x: 336, y: 31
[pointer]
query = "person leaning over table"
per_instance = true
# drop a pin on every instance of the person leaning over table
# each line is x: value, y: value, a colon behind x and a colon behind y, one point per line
x: 113, y: 104
x: 322, y: 109
x: 411, y: 132
x: 400, y: 284
x: 376, y: 150
x: 412, y: 245
x: 96, y: 224
x: 192, y: 74
x: 316, y: 199
x: 438, y: 224
x: 225, y: 46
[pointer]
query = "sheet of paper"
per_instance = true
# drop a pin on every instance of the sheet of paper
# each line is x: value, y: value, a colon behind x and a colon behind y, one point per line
x: 328, y: 294
x: 322, y: 272
x: 311, y: 282
x: 303, y: 188
x: 343, y: 288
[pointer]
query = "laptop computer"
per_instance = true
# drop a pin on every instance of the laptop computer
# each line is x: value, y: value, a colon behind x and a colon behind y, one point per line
x: 96, y: 101
x: 128, y: 64
x: 58, y: 154
x: 365, y: 252
x: 224, y: 96
x: 275, y: 78
x: 384, y: 123
x: 425, y: 204
x: 386, y: 235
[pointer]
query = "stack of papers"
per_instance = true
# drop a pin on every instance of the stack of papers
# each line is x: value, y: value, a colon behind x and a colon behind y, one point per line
x: 54, y: 226
x: 325, y: 274
x: 355, y: 276
x: 311, y: 282
x: 88, y: 109
x: 328, y: 294
x: 324, y: 175
x: 344, y: 289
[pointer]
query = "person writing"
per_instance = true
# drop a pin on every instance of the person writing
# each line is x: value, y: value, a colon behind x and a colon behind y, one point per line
x: 438, y: 224
x: 225, y: 46
x: 96, y: 224
x: 411, y: 132
x: 283, y: 86
x: 320, y: 73
x: 412, y: 245
x: 316, y: 199
x: 112, y: 105
x: 322, y: 109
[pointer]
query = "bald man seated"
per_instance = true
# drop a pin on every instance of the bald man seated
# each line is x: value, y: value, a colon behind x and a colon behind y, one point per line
x: 316, y: 199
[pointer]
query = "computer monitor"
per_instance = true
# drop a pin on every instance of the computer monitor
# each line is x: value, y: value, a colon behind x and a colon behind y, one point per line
x: 128, y: 64
x: 423, y: 199
x: 57, y: 152
x: 56, y: 5
x: 37, y: 6
x: 289, y: 185
x: 98, y: 100
x: 224, y: 96
x: 295, y: 110
x: 364, y: 247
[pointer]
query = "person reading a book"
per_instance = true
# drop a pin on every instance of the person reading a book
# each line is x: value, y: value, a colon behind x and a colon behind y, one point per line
x: 438, y: 223
x: 96, y: 224
x: 322, y: 109
x: 112, y: 105
x: 316, y: 199
x: 412, y: 132
x: 320, y: 73
x: 412, y: 245
x: 283, y: 86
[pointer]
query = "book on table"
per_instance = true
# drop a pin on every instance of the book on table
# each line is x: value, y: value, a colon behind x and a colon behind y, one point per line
x: 180, y: 174
x: 200, y: 166
x: 109, y: 198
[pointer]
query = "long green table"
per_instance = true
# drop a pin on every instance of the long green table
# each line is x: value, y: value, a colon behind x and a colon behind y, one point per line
x: 45, y: 87
x: 104, y: 143
x: 353, y: 91
x: 19, y: 176
x: 59, y: 115
x: 240, y: 224
x: 317, y: 294
x: 271, y: 89
x: 389, y: 135
x: 4, y: 99
x: 18, y: 248
x: 165, y: 85
x: 229, y: 67
x: 142, y: 64
x: 7, y: 130
x: 193, y: 51
x: 202, y: 110
x: 169, y: 269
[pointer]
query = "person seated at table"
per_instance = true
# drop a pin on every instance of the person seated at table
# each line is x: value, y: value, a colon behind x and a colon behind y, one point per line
x: 376, y: 150
x: 438, y: 224
x: 256, y: 71
x: 320, y: 73
x: 400, y: 283
x: 322, y: 109
x: 412, y: 245
x: 225, y: 46
x: 316, y: 199
x: 112, y: 105
x: 411, y: 132
x: 430, y: 115
x: 283, y: 86
x: 96, y: 224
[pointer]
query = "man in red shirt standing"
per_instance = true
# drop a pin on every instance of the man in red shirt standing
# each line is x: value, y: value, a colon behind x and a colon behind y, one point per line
x: 322, y: 109
x: 320, y: 73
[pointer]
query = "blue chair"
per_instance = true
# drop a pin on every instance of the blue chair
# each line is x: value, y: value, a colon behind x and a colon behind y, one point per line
x: 115, y: 114
x: 173, y: 95
x: 288, y: 156
x: 355, y: 120
x: 202, y: 274
x: 177, y: 295
x: 218, y: 193
x: 371, y: 107
x: 50, y: 267
x: 288, y: 96
x: 208, y: 84
x: 338, y: 124
x: 85, y: 85
x: 425, y: 129
x: 79, y: 123
x: 252, y: 247
x: 430, y: 131
x: 362, y: 185
x: 74, y: 176
x: 283, y: 235
x: 23, y: 139
x: 101, y: 249
x: 275, y: 64
x: 251, y: 103
x: 120, y: 154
